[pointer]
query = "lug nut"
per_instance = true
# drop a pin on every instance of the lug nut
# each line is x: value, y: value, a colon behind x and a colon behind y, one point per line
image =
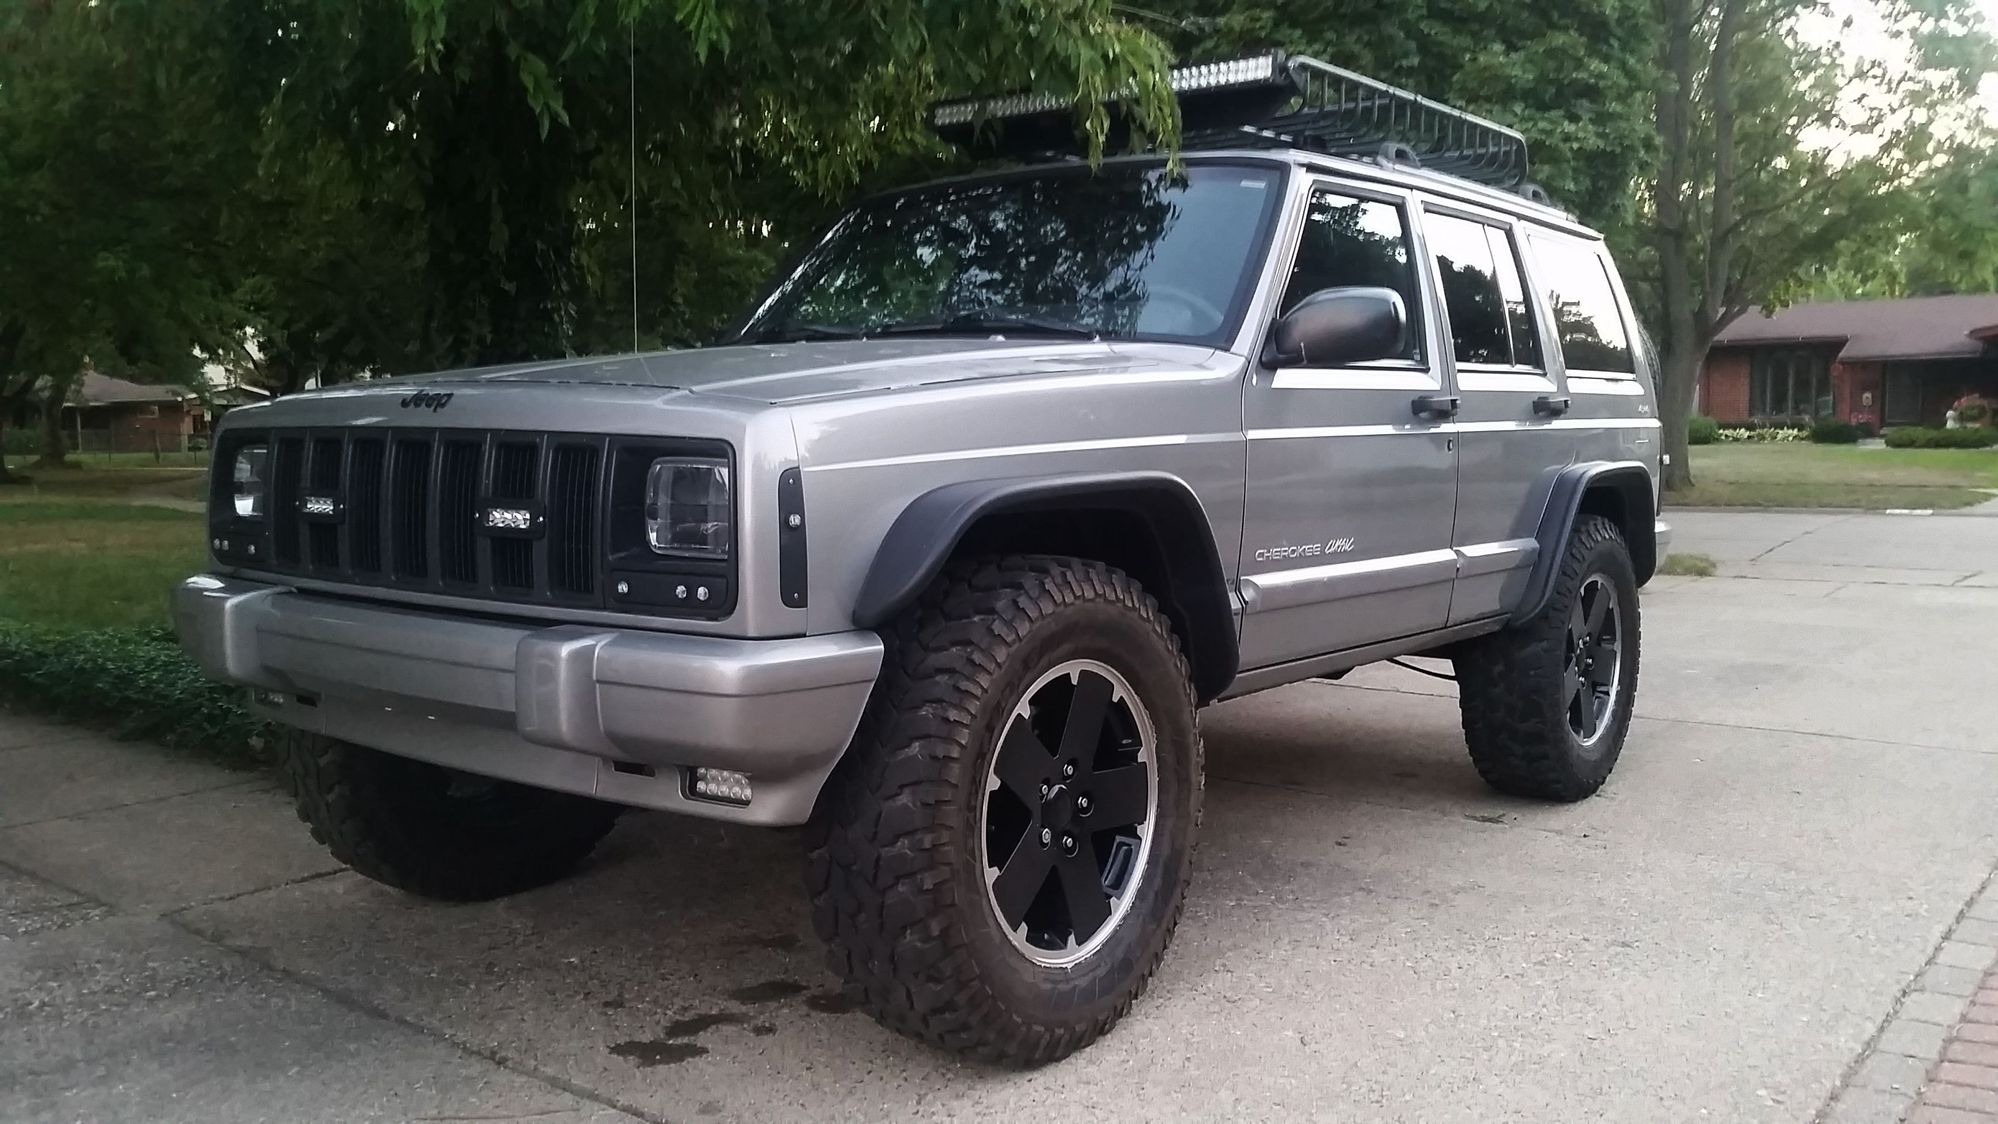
x: 1068, y: 844
x: 1082, y: 805
x: 1045, y: 790
x: 1046, y: 836
x: 1068, y: 770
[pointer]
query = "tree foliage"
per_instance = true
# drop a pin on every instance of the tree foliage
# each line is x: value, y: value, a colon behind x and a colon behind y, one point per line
x: 109, y: 201
x: 1780, y: 152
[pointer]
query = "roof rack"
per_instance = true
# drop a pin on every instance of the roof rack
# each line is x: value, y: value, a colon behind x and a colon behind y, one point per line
x: 1272, y: 100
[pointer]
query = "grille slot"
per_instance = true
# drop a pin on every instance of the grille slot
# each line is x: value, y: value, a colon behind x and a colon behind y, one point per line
x: 367, y: 460
x: 514, y: 463
x: 572, y: 523
x: 409, y: 523
x: 457, y: 510
x: 286, y: 487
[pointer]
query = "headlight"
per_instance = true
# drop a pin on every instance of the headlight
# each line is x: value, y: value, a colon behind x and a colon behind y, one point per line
x: 249, y: 486
x: 687, y: 507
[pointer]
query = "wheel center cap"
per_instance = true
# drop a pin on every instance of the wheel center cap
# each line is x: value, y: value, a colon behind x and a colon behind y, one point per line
x: 1058, y: 808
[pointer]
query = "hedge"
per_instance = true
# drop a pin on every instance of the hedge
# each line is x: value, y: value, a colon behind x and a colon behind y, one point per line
x: 137, y: 683
x: 1829, y: 431
x: 1702, y: 431
x: 1969, y: 437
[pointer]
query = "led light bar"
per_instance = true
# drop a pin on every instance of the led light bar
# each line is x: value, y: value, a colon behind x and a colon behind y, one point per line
x: 319, y: 505
x: 1257, y: 70
x: 509, y: 519
x: 720, y: 785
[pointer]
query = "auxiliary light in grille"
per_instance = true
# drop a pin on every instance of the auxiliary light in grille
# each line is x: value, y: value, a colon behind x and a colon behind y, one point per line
x: 509, y: 519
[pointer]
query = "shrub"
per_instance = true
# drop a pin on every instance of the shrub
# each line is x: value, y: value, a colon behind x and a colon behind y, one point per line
x: 1916, y: 437
x: 1973, y: 409
x: 1702, y: 431
x: 1832, y: 432
x: 135, y: 682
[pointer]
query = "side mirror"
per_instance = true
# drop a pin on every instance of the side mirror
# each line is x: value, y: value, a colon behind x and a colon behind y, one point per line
x: 1334, y: 327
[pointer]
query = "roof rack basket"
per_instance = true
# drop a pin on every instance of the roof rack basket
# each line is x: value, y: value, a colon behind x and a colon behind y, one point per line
x: 1341, y: 113
x: 1271, y: 100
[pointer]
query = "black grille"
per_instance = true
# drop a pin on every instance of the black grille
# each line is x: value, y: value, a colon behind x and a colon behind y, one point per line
x: 405, y: 508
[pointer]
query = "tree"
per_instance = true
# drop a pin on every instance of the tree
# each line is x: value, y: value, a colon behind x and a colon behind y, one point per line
x: 521, y: 133
x: 109, y: 199
x: 1776, y: 155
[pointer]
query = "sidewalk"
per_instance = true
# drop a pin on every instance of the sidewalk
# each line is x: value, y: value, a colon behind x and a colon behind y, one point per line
x: 113, y: 1008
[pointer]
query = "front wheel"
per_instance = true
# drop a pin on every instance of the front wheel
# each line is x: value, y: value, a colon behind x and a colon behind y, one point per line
x: 999, y: 863
x: 435, y: 831
x: 1546, y: 703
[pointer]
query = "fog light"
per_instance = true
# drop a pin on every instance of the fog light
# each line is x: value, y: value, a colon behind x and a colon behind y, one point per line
x: 720, y: 786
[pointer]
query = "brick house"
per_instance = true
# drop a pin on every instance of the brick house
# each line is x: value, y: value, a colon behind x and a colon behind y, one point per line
x: 1879, y: 363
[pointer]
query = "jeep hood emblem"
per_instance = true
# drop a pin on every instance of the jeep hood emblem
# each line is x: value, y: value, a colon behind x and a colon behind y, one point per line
x: 425, y: 400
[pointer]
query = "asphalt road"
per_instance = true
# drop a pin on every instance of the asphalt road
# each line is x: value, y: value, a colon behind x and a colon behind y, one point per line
x: 1805, y: 807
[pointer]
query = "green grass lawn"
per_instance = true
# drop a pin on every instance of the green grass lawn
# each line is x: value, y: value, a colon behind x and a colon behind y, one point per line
x: 93, y: 565
x: 1841, y: 476
x: 77, y: 552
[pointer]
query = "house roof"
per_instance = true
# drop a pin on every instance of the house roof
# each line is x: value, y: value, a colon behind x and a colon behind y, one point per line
x: 103, y: 390
x: 1951, y: 327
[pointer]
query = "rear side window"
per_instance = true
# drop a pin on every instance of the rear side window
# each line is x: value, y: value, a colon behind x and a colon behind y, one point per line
x: 1490, y: 322
x: 1351, y: 241
x: 1587, y: 321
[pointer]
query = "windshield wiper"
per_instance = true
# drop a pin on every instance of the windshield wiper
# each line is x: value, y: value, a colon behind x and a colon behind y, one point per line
x: 989, y: 322
x: 793, y: 333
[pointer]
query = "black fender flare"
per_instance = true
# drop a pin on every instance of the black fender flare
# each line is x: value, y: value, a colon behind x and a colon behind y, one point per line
x: 923, y: 537
x: 1631, y: 483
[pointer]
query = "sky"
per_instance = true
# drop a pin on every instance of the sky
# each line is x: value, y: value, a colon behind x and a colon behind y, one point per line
x: 1868, y: 36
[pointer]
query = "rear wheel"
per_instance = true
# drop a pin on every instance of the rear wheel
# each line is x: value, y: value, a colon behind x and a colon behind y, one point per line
x: 435, y: 831
x: 1001, y: 859
x: 1546, y: 703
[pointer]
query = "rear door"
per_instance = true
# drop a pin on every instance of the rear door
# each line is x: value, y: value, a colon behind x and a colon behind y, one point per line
x: 1346, y: 528
x: 1510, y: 429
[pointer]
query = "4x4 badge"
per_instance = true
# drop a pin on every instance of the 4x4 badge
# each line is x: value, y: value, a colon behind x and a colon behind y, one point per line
x: 423, y: 399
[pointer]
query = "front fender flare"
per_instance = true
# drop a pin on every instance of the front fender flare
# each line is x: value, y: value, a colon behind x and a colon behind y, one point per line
x: 926, y: 533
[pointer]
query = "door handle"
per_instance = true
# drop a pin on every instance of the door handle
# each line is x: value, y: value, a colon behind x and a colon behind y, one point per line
x: 1550, y: 406
x: 1435, y: 405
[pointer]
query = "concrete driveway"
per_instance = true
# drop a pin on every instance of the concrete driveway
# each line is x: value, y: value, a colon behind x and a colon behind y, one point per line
x: 1748, y: 924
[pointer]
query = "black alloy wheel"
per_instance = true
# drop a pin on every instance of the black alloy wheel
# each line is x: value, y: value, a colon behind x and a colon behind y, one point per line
x: 1069, y: 801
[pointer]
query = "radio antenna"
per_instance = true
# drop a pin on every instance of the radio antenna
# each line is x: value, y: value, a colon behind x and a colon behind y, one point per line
x: 631, y: 204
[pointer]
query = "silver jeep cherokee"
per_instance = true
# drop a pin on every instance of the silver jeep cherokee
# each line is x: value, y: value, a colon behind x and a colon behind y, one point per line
x: 943, y: 550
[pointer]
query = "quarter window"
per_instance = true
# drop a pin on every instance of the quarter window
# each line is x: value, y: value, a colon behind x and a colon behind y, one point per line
x: 1586, y: 318
x: 1349, y: 241
x: 1490, y: 322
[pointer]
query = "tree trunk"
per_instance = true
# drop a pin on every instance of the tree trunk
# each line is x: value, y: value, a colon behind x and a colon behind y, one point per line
x: 6, y: 475
x: 55, y: 448
x: 1675, y: 406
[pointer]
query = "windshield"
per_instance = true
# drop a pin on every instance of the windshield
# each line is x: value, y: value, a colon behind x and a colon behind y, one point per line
x: 1123, y: 253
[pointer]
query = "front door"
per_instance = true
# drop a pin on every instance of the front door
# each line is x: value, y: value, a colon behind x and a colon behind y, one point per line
x: 1903, y: 386
x: 1346, y: 527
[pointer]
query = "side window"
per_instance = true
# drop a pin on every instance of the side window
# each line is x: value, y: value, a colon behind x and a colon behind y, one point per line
x: 1490, y: 321
x: 1587, y: 321
x: 1349, y: 241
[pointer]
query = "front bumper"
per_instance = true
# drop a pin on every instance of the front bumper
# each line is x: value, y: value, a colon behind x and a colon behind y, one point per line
x: 619, y: 714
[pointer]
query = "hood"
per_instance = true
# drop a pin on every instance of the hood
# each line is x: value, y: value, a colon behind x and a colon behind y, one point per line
x: 793, y: 372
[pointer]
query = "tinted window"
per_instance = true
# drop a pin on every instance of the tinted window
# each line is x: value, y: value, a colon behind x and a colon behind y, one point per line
x: 1125, y: 252
x: 1350, y: 241
x: 1586, y: 318
x: 1489, y: 318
